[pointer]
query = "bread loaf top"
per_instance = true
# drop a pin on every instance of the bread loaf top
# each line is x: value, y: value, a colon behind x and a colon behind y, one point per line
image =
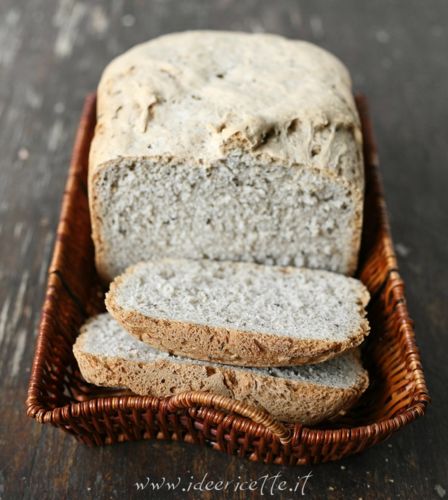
x: 202, y: 96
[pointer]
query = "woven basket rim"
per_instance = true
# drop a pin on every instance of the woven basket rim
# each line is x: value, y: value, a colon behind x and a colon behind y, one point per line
x: 39, y: 410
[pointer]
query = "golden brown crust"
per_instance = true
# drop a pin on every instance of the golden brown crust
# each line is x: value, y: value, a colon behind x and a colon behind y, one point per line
x: 110, y: 147
x: 100, y: 259
x: 285, y: 399
x: 222, y: 345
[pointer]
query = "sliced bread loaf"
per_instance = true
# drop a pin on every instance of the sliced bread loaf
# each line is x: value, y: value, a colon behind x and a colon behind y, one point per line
x: 108, y: 356
x: 240, y: 313
x: 227, y: 146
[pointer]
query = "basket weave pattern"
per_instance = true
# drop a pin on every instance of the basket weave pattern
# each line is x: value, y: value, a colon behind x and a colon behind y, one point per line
x: 58, y: 394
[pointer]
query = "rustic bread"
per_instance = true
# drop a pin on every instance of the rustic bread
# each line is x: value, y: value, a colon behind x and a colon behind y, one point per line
x: 108, y: 356
x: 240, y: 313
x: 227, y: 146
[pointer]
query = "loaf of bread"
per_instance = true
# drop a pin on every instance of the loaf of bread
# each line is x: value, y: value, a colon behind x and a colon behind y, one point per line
x: 240, y: 313
x: 108, y: 356
x: 226, y: 146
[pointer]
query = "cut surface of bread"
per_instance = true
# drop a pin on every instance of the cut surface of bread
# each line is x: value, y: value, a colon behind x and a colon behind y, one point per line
x: 240, y: 313
x: 227, y: 146
x: 108, y: 356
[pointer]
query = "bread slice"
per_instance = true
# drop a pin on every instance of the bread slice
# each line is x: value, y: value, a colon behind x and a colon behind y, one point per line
x: 226, y: 146
x: 240, y: 313
x: 108, y: 356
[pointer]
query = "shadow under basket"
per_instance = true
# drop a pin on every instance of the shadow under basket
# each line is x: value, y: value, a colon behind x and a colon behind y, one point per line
x: 96, y: 416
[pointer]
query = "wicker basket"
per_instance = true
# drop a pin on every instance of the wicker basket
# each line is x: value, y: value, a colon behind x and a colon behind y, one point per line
x: 58, y: 394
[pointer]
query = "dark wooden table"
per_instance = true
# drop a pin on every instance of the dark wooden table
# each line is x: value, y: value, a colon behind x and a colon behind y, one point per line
x: 51, y: 54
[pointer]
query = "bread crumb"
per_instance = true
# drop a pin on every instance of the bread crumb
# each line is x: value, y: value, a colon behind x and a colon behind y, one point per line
x: 440, y: 490
x: 382, y: 36
x: 128, y: 20
x: 23, y: 154
x: 402, y: 250
x: 59, y: 108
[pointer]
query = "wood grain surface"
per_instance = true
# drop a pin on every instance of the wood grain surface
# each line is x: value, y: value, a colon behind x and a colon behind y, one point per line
x: 51, y: 54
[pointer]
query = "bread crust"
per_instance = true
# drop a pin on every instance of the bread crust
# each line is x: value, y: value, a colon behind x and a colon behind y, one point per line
x: 113, y: 143
x: 285, y: 399
x: 229, y: 346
